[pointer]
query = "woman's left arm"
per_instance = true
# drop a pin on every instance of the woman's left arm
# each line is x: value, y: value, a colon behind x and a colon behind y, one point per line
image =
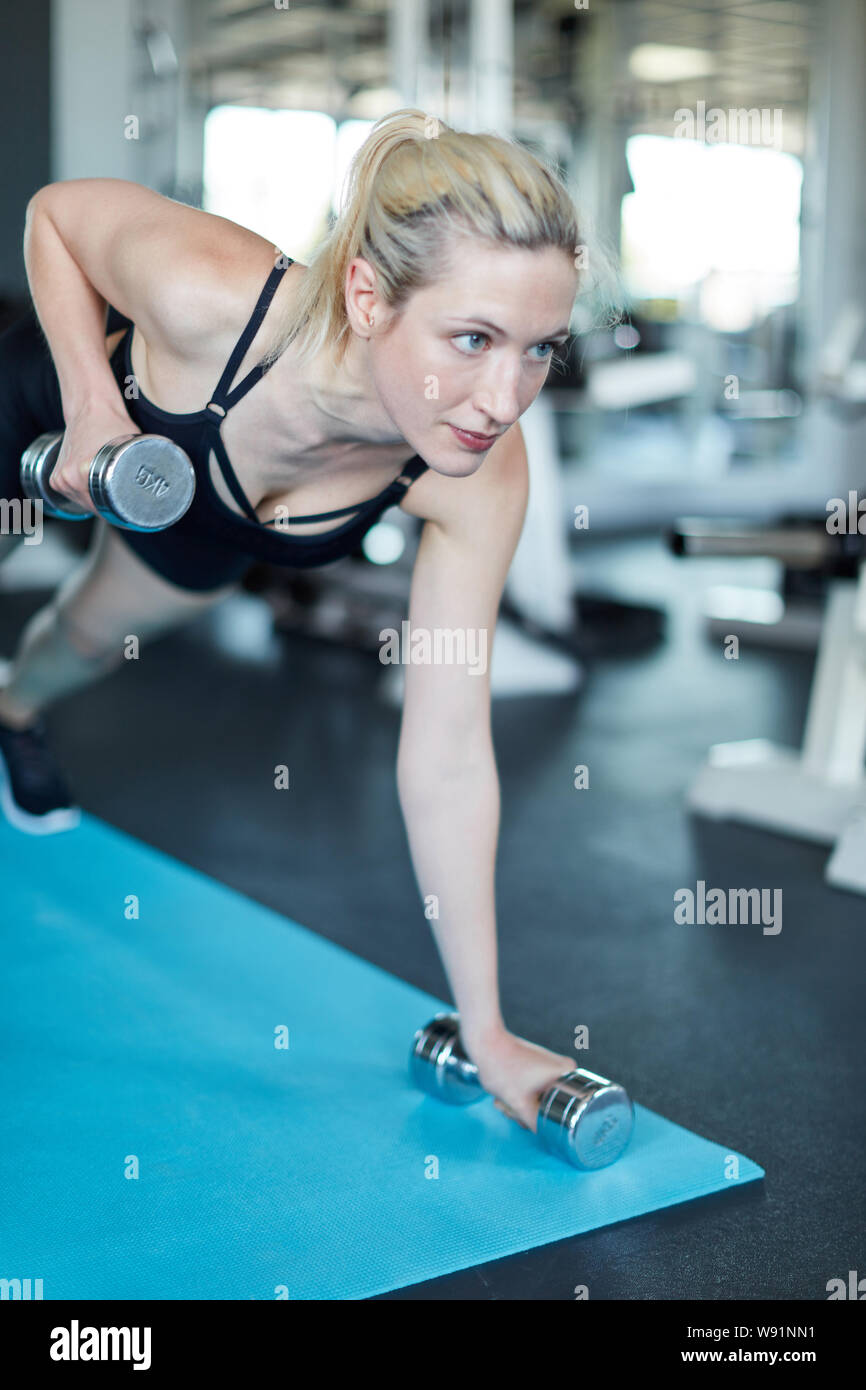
x: 447, y: 780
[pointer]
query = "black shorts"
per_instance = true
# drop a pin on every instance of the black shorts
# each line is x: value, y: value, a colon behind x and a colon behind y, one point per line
x: 30, y: 405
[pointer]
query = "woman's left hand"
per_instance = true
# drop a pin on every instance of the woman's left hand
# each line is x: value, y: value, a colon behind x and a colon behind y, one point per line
x: 516, y: 1073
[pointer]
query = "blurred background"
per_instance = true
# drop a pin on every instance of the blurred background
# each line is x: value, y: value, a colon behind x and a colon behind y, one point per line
x: 680, y: 617
x: 737, y: 239
x: 709, y: 148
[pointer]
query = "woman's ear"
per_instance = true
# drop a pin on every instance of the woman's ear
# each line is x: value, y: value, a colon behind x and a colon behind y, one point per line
x: 361, y: 296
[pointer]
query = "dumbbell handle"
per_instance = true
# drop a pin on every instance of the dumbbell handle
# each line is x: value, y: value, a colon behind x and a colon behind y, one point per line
x: 457, y: 1075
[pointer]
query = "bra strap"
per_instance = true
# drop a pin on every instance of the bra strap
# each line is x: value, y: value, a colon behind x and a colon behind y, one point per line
x: 223, y: 396
x: 229, y: 475
x: 412, y: 470
x: 223, y: 399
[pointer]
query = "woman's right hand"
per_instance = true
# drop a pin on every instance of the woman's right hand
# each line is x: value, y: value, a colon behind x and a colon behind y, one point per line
x: 516, y: 1073
x: 83, y: 437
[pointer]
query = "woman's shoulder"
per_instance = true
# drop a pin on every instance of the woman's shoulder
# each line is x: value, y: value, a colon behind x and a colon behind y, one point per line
x: 207, y: 300
x: 210, y: 295
x: 213, y: 295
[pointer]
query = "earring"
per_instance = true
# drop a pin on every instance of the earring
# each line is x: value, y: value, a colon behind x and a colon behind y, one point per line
x: 370, y: 320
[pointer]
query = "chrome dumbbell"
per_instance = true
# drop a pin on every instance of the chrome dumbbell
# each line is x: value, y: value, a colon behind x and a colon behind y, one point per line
x: 142, y: 482
x: 582, y: 1118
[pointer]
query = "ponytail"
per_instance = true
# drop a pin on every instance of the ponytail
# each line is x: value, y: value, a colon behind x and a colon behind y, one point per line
x: 413, y: 185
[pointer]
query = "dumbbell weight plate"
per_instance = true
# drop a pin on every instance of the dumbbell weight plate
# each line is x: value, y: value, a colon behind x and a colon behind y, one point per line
x: 439, y: 1066
x: 37, y: 464
x: 585, y: 1119
x: 147, y: 480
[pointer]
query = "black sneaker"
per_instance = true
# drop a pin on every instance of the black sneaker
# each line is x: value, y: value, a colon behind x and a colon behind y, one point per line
x: 33, y: 795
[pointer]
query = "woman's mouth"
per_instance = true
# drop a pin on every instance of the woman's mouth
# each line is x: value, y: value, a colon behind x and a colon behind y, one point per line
x: 470, y: 440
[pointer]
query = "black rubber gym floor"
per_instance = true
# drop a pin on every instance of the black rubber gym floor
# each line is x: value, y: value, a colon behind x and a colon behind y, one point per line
x: 751, y: 1040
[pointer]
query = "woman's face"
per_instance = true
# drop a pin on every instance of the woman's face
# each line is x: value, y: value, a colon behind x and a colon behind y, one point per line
x: 472, y: 350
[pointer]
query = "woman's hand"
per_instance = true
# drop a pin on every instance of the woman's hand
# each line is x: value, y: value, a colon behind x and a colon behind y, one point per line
x: 83, y: 437
x: 516, y: 1073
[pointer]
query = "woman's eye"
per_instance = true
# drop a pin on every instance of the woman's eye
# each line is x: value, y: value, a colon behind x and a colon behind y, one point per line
x: 549, y: 347
x: 469, y: 335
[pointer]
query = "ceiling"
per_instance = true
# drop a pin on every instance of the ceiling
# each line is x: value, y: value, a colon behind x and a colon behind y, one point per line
x: 333, y: 55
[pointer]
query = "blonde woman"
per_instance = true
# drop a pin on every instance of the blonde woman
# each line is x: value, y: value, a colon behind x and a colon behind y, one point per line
x: 393, y: 370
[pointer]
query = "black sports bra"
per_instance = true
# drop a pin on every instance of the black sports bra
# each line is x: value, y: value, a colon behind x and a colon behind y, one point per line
x: 198, y: 432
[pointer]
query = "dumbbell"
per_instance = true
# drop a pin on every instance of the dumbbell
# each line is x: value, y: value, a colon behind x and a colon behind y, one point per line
x: 142, y: 482
x: 582, y: 1118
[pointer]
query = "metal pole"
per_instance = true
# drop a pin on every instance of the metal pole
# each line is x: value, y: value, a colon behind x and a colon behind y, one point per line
x: 407, y: 41
x: 491, y: 83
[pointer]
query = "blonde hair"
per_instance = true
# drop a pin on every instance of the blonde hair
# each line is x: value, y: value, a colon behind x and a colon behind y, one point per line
x: 413, y: 181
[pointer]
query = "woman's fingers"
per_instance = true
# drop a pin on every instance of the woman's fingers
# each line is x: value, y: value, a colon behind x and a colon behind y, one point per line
x: 512, y: 1115
x: 70, y: 480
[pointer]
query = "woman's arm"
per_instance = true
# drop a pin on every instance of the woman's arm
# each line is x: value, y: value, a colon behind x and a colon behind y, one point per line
x: 446, y: 771
x: 451, y: 816
x: 90, y: 242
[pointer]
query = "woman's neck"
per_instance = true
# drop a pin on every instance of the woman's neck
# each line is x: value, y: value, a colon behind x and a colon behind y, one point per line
x: 341, y: 397
x: 337, y: 400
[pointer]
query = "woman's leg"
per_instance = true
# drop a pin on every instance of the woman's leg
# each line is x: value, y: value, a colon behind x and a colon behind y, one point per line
x: 79, y: 635
x: 8, y: 542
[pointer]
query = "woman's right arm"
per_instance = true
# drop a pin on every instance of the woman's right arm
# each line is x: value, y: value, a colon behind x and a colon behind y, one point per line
x: 91, y: 242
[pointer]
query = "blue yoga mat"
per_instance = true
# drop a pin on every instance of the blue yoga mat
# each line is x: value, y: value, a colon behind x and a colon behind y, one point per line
x: 146, y: 1045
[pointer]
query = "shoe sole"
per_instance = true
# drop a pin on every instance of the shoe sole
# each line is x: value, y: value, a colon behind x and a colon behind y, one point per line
x: 52, y: 823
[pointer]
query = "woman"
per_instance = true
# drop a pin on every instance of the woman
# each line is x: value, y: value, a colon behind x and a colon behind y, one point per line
x: 424, y: 326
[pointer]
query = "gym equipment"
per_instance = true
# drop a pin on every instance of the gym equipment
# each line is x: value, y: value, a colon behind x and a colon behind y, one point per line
x: 582, y: 1118
x: 818, y: 793
x: 790, y: 613
x: 804, y: 545
x: 141, y: 482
